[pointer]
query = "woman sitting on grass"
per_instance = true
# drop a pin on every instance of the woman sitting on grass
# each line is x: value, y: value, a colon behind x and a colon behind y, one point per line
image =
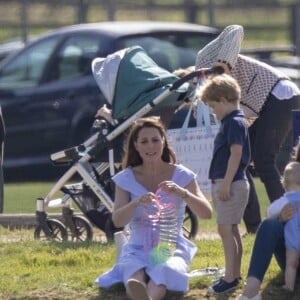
x: 148, y: 168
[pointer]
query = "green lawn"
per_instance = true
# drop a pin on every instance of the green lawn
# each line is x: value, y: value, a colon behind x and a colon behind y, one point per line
x: 48, y: 270
x: 20, y: 197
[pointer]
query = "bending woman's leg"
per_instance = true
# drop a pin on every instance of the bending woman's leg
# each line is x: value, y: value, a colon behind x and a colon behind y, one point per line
x: 269, y: 240
x: 267, y: 135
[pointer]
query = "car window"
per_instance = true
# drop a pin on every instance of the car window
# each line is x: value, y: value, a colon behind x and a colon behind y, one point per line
x: 26, y: 69
x: 74, y: 57
x: 171, y: 51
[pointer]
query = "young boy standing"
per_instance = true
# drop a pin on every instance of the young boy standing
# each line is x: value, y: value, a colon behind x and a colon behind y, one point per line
x: 230, y: 188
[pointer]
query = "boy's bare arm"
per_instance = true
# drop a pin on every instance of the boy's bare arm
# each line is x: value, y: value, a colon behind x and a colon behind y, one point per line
x: 232, y: 166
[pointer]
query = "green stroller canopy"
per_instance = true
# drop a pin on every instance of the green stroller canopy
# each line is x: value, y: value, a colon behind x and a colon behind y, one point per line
x: 130, y: 79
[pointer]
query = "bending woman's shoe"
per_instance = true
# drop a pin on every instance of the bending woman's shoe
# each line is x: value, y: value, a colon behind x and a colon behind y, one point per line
x: 242, y: 297
x: 137, y: 290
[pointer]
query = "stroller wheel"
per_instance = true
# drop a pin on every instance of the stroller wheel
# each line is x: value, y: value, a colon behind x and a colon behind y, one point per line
x: 190, y: 224
x: 82, y: 230
x: 55, y: 230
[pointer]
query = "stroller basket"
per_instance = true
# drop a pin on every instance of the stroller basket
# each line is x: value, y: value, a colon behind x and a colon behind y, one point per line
x: 82, y: 195
x: 89, y: 204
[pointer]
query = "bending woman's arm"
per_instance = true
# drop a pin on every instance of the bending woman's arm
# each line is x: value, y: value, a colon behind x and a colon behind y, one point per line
x: 224, y: 49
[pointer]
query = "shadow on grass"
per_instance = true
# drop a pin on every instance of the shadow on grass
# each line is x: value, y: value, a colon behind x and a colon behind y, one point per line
x: 118, y: 292
x: 274, y: 291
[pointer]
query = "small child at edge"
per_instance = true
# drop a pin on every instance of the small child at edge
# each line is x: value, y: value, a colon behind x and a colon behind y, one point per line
x: 291, y: 183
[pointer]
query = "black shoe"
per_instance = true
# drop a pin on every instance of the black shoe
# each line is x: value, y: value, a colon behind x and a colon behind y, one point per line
x: 222, y: 286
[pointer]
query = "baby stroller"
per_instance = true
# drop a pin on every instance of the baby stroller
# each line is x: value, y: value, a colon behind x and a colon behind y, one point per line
x: 134, y: 87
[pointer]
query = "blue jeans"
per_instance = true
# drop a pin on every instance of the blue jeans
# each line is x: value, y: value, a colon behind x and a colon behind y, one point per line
x: 269, y: 240
x: 267, y: 134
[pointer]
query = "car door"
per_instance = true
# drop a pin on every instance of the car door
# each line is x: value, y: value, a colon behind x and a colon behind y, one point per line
x: 40, y: 93
x: 19, y: 83
x: 72, y: 90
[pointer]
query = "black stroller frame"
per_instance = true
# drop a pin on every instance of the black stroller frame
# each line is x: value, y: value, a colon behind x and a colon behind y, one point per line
x: 94, y: 193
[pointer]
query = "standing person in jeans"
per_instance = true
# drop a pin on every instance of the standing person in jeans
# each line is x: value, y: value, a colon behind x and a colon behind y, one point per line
x: 230, y: 187
x: 268, y: 97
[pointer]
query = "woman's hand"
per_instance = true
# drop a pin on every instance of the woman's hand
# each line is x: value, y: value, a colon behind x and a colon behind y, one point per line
x: 146, y: 199
x: 104, y: 112
x: 170, y: 187
x: 287, y: 212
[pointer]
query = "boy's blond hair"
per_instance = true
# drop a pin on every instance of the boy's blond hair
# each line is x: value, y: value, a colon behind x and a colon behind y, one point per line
x: 220, y: 86
x: 291, y: 175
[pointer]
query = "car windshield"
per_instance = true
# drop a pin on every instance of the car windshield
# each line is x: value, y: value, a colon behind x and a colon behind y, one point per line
x: 170, y: 51
x: 26, y: 69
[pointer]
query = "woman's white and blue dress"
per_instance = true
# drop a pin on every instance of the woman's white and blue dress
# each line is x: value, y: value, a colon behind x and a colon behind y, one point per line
x: 173, y: 273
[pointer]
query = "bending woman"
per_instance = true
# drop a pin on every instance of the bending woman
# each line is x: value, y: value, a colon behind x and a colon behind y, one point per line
x: 267, y: 97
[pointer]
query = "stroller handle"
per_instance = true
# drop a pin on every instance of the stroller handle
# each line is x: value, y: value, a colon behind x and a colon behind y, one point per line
x: 198, y: 73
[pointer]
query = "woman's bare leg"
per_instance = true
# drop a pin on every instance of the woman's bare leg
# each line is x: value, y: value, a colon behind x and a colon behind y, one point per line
x: 252, y: 287
x: 156, y: 292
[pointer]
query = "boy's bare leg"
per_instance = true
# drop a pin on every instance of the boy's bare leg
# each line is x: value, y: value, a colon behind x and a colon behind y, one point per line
x: 239, y: 245
x: 230, y: 250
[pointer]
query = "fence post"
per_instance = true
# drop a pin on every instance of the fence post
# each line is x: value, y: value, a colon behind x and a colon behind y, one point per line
x: 190, y: 11
x: 211, y: 16
x: 111, y: 10
x: 24, y: 21
x: 295, y: 27
x: 149, y: 5
x: 82, y: 11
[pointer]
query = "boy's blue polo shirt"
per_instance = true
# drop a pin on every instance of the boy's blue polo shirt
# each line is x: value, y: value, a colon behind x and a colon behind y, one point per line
x: 233, y: 130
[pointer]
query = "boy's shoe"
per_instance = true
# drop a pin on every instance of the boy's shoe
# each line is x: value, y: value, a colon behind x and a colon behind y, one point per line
x: 222, y: 286
x: 222, y: 277
x: 216, y: 280
x: 242, y: 297
x: 137, y: 290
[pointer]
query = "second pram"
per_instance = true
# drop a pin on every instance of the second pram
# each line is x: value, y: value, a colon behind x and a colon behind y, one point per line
x: 134, y: 86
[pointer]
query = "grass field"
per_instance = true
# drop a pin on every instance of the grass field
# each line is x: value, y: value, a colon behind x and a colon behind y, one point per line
x: 32, y: 269
x: 21, y: 198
